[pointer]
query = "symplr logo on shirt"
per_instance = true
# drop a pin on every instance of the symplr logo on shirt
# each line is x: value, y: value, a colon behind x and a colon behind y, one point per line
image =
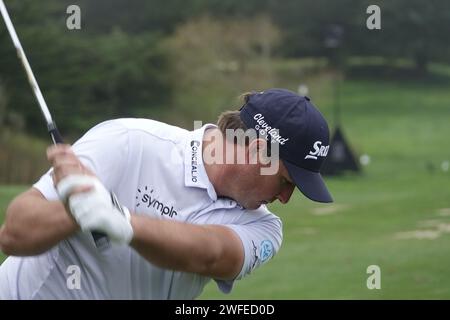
x: 147, y: 199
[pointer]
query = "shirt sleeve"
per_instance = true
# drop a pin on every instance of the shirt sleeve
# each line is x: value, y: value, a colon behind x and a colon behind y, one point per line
x: 103, y: 149
x: 261, y: 240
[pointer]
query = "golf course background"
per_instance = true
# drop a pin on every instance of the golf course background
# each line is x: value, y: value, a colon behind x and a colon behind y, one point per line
x: 395, y: 214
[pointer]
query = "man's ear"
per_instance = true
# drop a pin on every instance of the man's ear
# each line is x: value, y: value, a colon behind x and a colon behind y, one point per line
x: 257, y: 150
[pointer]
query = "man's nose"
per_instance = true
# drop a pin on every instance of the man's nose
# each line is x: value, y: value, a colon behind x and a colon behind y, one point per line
x: 286, y: 193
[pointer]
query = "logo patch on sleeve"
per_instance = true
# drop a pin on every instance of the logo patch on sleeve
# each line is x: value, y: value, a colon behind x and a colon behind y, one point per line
x: 266, y: 250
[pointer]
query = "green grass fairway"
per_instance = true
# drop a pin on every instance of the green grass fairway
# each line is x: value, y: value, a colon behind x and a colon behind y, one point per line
x: 395, y: 215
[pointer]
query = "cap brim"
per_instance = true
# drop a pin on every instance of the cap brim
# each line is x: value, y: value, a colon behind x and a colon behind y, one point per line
x: 309, y: 183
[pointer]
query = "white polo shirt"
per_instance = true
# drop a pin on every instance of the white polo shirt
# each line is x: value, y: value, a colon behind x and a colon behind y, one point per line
x: 157, y: 170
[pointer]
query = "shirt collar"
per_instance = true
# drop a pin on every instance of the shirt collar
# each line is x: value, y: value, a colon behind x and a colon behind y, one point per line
x: 195, y: 173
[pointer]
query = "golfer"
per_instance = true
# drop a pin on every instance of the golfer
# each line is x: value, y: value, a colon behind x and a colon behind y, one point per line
x: 176, y: 208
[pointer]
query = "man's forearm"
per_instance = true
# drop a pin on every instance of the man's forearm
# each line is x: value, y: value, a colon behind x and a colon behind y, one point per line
x: 33, y: 225
x: 210, y: 250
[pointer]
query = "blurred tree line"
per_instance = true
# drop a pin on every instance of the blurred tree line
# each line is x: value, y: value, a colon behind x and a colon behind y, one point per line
x: 139, y: 58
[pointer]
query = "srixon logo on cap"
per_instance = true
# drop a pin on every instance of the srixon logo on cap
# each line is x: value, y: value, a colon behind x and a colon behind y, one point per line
x: 319, y: 151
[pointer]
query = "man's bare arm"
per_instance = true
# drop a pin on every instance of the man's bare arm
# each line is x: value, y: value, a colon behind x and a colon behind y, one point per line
x: 210, y: 250
x: 33, y: 224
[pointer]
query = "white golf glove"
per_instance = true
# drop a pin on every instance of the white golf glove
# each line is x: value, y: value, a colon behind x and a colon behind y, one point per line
x: 96, y: 209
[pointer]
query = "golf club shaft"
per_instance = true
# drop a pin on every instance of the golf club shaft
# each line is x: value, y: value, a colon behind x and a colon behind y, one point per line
x: 23, y: 58
x: 51, y: 126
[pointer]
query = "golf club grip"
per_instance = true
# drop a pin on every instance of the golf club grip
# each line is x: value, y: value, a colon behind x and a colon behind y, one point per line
x: 99, y: 237
x: 56, y: 136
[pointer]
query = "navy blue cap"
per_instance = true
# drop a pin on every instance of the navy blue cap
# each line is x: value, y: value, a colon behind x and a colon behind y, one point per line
x: 303, y: 136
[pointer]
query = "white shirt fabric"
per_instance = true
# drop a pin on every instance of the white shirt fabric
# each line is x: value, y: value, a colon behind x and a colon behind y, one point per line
x: 157, y: 170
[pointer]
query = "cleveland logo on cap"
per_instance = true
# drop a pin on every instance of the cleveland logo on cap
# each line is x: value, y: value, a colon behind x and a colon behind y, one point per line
x: 319, y: 151
x: 265, y: 129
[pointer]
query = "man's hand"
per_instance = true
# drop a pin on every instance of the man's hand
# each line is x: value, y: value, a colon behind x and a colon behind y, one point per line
x: 64, y: 163
x: 86, y: 199
x: 96, y: 209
